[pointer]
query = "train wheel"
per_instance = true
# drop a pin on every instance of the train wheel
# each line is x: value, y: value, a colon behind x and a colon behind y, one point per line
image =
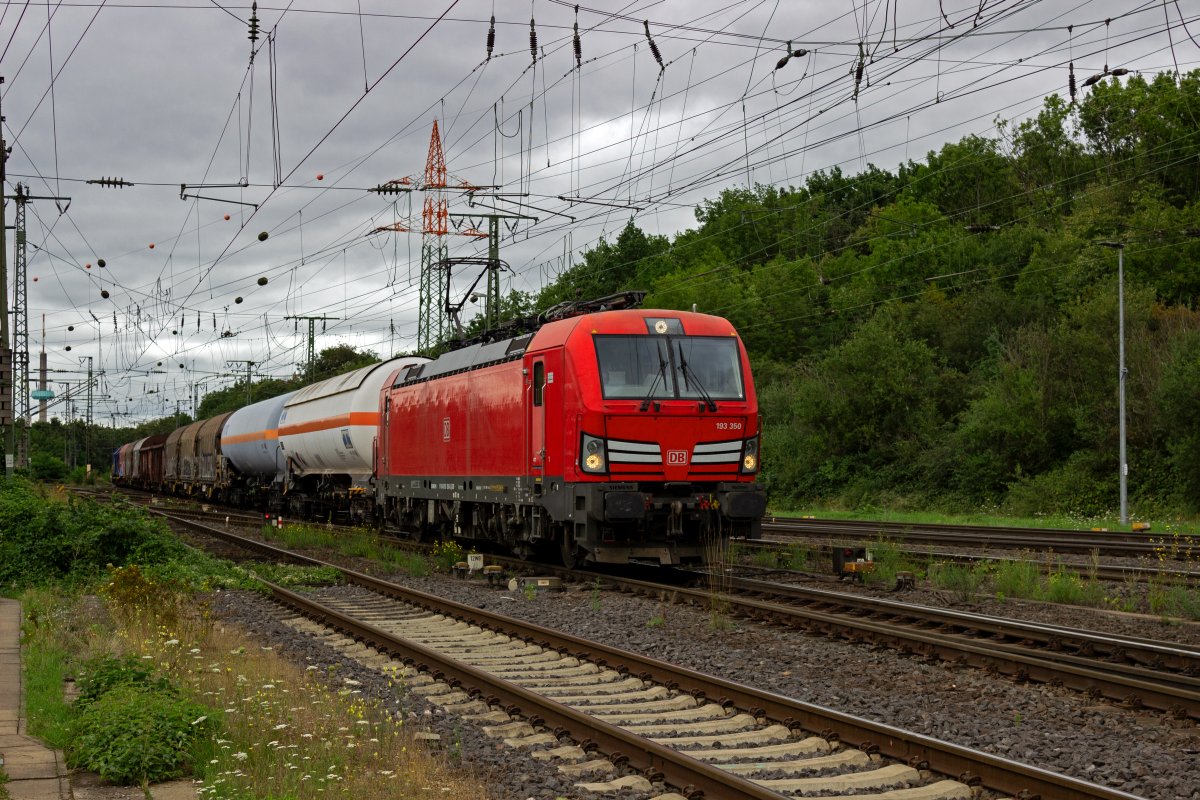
x: 569, y: 552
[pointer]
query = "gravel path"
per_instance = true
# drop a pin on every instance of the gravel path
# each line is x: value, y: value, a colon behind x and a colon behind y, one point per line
x: 1142, y: 753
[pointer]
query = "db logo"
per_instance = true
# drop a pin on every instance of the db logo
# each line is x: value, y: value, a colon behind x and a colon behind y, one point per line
x: 676, y: 457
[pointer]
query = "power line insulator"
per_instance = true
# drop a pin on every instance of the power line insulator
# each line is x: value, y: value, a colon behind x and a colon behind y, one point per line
x: 111, y: 182
x: 491, y: 40
x: 533, y: 40
x: 1071, y: 81
x: 253, y: 22
x: 391, y: 187
x: 653, y: 47
x: 578, y: 44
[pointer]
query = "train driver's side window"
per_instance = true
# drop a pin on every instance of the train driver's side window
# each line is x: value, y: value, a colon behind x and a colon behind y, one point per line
x: 539, y: 381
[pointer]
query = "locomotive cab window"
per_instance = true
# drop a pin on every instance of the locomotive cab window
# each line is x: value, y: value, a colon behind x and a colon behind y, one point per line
x: 707, y: 366
x: 539, y: 381
x: 669, y: 367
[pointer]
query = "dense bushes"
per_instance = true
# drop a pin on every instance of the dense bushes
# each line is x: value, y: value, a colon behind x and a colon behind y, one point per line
x: 46, y: 537
x: 131, y: 725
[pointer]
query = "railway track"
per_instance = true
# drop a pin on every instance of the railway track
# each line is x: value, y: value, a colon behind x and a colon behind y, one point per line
x: 1136, y: 672
x: 1113, y: 543
x: 866, y: 533
x: 705, y: 736
x: 1119, y: 573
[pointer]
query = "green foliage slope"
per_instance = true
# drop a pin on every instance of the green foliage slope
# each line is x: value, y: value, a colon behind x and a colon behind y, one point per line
x: 946, y: 334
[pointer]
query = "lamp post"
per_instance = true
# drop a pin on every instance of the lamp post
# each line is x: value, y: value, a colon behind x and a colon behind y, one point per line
x: 1124, y: 466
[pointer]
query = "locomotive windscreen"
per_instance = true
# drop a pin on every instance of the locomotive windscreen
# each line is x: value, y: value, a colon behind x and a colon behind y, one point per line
x: 668, y: 367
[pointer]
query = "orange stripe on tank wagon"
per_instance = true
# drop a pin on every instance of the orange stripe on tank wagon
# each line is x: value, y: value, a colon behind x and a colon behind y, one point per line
x: 257, y: 436
x: 328, y: 423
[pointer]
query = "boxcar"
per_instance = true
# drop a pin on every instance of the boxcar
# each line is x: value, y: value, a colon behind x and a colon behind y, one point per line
x: 209, y: 474
x: 149, y: 474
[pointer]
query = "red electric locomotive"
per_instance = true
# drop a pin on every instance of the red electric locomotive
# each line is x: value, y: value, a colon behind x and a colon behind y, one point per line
x: 609, y: 435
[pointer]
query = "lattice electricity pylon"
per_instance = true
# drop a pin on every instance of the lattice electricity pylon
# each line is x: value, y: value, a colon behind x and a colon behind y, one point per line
x: 21, y: 402
x: 22, y: 405
x: 432, y: 322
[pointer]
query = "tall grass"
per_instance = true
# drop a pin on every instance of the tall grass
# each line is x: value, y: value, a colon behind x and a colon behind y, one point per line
x: 718, y: 558
x: 965, y: 580
x: 357, y: 543
x: 286, y: 731
x: 1017, y: 578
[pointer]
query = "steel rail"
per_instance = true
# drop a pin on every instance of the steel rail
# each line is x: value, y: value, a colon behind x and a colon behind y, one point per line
x: 1111, y: 543
x: 1150, y: 652
x: 675, y: 767
x: 964, y: 763
x: 1177, y: 695
x: 1108, y: 572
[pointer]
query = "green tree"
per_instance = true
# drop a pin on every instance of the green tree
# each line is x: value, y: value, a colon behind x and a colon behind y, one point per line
x: 1178, y: 420
x: 632, y: 262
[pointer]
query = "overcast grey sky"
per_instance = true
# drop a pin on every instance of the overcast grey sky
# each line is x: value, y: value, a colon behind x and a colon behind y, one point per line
x: 341, y: 96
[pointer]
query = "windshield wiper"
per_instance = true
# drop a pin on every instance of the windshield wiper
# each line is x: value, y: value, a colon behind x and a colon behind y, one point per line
x: 661, y: 376
x: 683, y: 367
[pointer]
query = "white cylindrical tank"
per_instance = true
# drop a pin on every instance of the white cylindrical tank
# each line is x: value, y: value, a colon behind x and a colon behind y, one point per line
x: 329, y: 428
x: 250, y: 438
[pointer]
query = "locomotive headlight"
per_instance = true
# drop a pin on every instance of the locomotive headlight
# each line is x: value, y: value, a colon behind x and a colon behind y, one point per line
x: 593, y: 454
x: 750, y: 455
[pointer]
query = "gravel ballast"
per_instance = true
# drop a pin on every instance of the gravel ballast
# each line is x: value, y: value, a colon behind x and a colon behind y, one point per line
x: 1143, y: 753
